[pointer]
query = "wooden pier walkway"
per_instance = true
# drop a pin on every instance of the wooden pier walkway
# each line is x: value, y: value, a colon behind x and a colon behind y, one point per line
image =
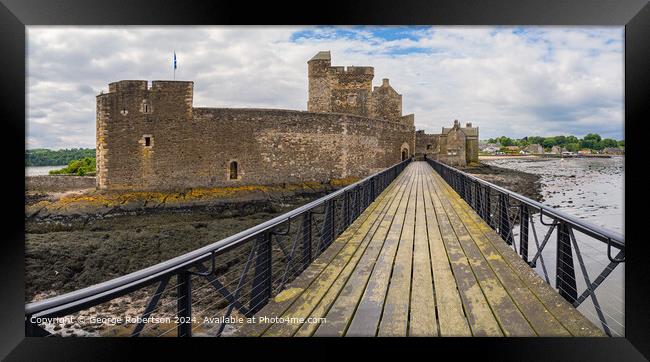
x: 419, y: 262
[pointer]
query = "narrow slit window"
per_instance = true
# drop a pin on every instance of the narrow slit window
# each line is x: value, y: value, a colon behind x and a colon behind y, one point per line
x: 233, y: 170
x: 147, y: 141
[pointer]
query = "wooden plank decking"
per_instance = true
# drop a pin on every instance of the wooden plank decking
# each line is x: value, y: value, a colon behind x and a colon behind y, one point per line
x: 419, y: 262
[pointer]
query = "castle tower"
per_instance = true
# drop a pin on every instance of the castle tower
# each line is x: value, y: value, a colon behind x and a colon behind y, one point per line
x: 338, y: 89
x: 320, y: 91
x: 132, y: 119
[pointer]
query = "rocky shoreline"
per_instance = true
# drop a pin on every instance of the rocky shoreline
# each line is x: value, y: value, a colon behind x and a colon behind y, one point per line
x: 523, y: 183
x: 77, y: 239
x: 80, y: 238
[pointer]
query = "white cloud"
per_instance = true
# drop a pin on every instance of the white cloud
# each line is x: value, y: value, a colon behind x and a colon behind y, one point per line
x: 508, y: 81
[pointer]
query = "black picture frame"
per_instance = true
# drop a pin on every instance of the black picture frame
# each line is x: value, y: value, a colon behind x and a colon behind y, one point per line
x: 633, y: 14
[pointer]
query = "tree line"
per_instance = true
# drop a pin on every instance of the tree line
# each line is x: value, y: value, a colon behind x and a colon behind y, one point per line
x: 83, y: 167
x: 591, y: 141
x: 46, y: 157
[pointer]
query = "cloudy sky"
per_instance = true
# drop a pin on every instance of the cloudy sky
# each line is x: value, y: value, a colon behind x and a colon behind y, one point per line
x: 513, y: 81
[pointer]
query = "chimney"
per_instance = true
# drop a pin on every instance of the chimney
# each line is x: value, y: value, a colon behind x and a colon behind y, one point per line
x: 468, y: 125
x: 456, y: 123
x: 384, y: 82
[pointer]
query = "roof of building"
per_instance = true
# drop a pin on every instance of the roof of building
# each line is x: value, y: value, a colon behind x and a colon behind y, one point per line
x: 468, y: 131
x: 323, y: 55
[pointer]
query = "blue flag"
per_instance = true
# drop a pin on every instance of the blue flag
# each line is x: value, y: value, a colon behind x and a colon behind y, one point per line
x: 175, y: 60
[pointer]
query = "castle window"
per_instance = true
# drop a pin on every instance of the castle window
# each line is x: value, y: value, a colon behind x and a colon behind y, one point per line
x: 352, y: 98
x: 233, y: 170
x: 145, y: 107
x: 146, y: 140
x: 428, y: 147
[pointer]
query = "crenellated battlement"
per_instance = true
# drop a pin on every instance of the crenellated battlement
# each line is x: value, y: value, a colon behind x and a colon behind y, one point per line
x: 352, y: 70
x: 348, y: 89
x: 128, y: 86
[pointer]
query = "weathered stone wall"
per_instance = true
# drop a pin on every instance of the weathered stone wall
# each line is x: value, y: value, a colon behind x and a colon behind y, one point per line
x: 130, y: 113
x: 194, y: 147
x: 385, y: 102
x: 471, y: 149
x: 319, y: 92
x: 58, y: 183
x: 349, y: 90
x: 455, y: 146
x: 452, y: 148
x: 427, y: 144
x: 338, y: 89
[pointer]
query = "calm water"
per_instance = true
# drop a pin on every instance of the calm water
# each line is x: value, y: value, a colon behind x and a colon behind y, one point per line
x: 41, y: 170
x: 591, y: 189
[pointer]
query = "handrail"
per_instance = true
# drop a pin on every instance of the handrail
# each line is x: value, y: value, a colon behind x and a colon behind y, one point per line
x: 617, y: 239
x: 121, y: 285
x: 478, y: 194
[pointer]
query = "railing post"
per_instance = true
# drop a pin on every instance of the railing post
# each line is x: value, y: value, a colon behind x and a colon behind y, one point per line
x: 463, y: 182
x: 306, y: 240
x: 327, y: 231
x: 333, y: 216
x: 565, y: 277
x: 523, y: 232
x: 262, y: 283
x: 357, y: 204
x: 474, y: 192
x: 184, y: 304
x: 346, y: 209
x: 504, y: 220
x: 484, y: 204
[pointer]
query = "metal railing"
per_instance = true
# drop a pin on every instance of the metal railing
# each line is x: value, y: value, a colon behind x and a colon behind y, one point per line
x: 232, y: 277
x: 513, y: 217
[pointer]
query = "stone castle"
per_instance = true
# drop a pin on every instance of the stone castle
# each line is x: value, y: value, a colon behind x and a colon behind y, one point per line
x: 151, y: 137
x: 456, y: 146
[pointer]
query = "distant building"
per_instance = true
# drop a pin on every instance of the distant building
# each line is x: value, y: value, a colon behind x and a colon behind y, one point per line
x: 614, y: 151
x: 557, y: 150
x: 456, y: 146
x: 488, y: 147
x: 535, y: 149
x: 584, y: 152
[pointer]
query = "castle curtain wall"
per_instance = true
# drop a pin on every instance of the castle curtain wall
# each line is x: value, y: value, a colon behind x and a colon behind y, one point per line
x: 269, y: 146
